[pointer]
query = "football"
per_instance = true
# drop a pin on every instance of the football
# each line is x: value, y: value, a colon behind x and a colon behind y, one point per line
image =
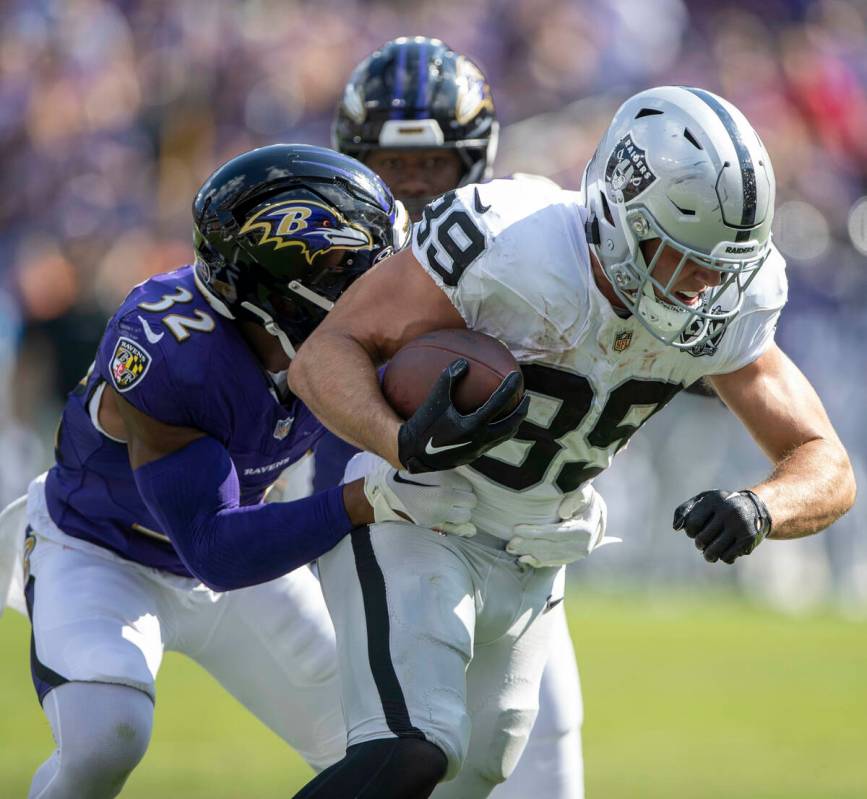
x: 412, y: 372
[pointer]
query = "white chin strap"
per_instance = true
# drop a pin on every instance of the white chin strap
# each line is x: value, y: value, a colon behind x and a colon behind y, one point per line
x: 310, y: 296
x: 272, y: 327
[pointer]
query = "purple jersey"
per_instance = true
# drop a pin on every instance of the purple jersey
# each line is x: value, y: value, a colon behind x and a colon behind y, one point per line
x: 172, y: 356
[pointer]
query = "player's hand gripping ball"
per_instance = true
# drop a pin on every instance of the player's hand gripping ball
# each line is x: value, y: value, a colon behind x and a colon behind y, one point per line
x: 460, y: 391
x: 724, y: 524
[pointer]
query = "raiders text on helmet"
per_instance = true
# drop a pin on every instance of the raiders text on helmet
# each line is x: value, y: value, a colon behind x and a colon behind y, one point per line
x: 417, y: 92
x: 684, y: 166
x: 280, y: 232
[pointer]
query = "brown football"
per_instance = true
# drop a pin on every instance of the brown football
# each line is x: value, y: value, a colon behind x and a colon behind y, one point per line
x: 415, y: 367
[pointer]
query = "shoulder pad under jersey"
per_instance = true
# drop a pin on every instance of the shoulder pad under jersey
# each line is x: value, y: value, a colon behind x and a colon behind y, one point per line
x: 156, y: 349
x: 752, y: 331
x: 513, y: 259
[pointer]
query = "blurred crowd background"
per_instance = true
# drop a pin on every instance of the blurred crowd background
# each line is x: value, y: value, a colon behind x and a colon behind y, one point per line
x: 112, y: 113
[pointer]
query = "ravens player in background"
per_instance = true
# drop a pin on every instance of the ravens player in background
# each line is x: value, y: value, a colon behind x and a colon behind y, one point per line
x: 152, y: 513
x: 659, y: 272
x: 422, y: 117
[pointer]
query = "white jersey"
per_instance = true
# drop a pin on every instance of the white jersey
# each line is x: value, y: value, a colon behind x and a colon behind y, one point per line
x: 513, y: 258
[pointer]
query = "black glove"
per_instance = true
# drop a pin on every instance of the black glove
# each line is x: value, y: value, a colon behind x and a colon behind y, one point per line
x: 724, y: 524
x: 437, y: 436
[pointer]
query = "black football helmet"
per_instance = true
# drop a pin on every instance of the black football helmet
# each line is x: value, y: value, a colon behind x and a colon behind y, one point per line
x: 282, y: 231
x: 417, y: 92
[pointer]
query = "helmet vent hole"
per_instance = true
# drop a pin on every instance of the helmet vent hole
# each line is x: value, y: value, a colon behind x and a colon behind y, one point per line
x: 691, y: 139
x: 684, y: 211
x: 606, y: 210
x: 647, y: 112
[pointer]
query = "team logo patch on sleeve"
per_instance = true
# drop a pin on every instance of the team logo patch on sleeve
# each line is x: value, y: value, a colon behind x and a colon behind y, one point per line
x: 129, y: 364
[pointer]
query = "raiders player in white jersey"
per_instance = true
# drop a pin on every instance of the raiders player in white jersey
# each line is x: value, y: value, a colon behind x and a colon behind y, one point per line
x: 659, y: 272
x: 441, y: 134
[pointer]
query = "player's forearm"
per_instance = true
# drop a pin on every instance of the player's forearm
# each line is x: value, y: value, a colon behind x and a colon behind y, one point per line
x: 193, y: 494
x: 336, y: 378
x: 810, y: 488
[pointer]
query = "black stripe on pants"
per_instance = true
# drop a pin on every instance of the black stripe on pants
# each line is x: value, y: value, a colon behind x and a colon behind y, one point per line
x: 378, y: 649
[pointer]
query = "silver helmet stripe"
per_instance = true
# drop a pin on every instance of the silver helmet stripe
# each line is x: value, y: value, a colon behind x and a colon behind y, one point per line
x: 748, y: 169
x: 723, y: 153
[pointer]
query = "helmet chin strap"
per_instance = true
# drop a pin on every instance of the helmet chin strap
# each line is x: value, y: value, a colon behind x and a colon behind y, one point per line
x: 311, y: 296
x: 272, y: 327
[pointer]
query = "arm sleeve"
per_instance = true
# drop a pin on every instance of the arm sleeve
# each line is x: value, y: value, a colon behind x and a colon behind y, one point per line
x: 194, y: 495
x: 331, y: 455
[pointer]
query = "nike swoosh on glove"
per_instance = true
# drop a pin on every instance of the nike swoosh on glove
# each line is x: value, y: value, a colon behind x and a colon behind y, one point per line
x: 437, y: 436
x: 584, y: 516
x: 441, y: 501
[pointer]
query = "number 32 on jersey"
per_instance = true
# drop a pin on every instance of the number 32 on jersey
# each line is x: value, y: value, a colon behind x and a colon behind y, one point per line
x: 179, y: 326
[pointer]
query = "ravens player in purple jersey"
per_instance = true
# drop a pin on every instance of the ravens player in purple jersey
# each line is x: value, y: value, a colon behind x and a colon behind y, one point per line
x: 152, y: 511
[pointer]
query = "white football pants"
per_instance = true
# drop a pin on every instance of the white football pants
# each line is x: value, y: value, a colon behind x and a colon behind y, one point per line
x: 100, y: 619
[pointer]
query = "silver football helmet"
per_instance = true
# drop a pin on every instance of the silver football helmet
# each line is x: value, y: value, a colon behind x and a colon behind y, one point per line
x: 683, y: 166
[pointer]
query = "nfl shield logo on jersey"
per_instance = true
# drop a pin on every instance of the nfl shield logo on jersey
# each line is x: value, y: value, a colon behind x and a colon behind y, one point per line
x: 129, y: 364
x: 282, y: 428
x: 622, y: 340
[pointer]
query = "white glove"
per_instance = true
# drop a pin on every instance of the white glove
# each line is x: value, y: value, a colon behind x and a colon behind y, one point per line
x: 442, y: 501
x: 584, y: 516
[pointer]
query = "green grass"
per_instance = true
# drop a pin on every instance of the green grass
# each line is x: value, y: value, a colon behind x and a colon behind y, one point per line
x: 686, y: 696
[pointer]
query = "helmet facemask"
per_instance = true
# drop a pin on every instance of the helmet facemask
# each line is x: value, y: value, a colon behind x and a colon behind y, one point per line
x: 667, y: 314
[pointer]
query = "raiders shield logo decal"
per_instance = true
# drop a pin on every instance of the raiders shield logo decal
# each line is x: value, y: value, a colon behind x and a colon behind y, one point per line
x: 129, y: 364
x: 627, y: 173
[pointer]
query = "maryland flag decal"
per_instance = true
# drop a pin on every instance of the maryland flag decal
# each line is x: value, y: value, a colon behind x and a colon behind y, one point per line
x: 129, y: 364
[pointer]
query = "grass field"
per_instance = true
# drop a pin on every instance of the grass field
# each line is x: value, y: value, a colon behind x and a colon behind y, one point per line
x: 685, y: 696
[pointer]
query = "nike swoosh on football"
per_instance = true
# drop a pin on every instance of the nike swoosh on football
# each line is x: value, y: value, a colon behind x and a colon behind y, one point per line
x: 478, y: 203
x: 432, y: 449
x: 152, y: 337
x: 398, y: 479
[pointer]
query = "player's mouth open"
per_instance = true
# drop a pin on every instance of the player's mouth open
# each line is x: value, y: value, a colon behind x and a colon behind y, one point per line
x: 690, y: 298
